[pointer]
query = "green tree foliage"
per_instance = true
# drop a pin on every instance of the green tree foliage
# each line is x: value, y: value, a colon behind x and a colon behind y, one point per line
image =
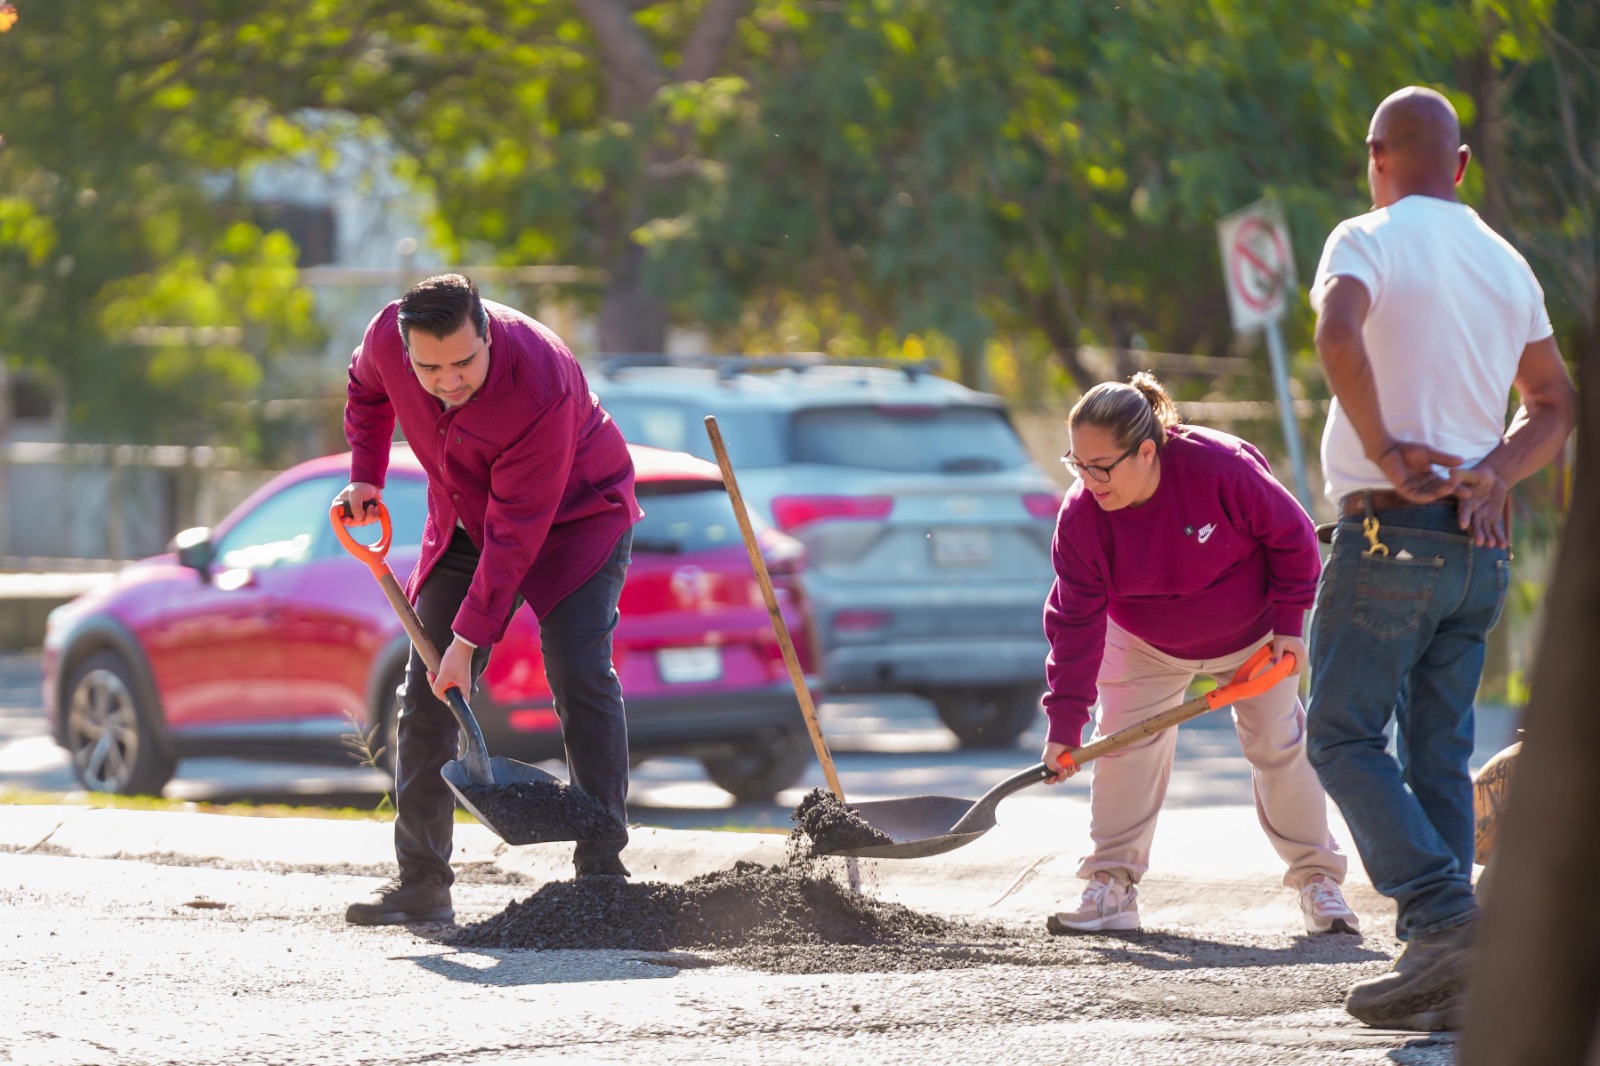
x: 1045, y: 170
x: 1009, y: 180
x: 151, y: 302
x: 1543, y: 86
x: 556, y: 131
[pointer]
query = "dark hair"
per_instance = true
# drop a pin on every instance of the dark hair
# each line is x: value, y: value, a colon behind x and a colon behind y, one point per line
x: 440, y: 306
x: 1136, y: 412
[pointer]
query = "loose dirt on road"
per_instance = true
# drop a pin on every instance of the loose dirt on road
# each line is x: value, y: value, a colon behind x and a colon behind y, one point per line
x: 109, y: 964
x: 760, y: 912
x: 802, y: 918
x: 830, y: 826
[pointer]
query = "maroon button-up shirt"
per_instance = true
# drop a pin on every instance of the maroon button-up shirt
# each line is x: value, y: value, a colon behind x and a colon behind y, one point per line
x: 531, y: 465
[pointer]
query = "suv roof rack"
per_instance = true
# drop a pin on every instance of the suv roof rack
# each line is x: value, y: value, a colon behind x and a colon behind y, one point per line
x: 729, y: 366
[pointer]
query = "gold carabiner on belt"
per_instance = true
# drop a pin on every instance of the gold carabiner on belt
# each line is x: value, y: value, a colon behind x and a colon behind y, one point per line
x: 1369, y: 529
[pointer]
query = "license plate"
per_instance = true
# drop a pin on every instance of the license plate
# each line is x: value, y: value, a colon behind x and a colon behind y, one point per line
x: 680, y: 666
x: 962, y: 547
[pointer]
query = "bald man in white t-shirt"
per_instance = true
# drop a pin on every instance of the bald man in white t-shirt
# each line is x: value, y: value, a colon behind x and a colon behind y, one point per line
x: 1427, y: 320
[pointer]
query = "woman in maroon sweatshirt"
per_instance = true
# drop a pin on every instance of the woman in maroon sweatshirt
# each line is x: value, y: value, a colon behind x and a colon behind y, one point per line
x: 530, y: 498
x: 1177, y: 553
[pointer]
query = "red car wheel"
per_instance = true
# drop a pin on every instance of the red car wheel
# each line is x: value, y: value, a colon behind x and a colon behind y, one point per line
x: 111, y: 735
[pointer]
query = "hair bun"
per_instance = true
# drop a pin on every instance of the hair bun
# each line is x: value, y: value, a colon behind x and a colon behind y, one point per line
x: 1155, y: 394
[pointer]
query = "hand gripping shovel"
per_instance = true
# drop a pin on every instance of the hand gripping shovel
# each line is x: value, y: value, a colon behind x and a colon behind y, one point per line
x: 929, y: 825
x: 498, y: 792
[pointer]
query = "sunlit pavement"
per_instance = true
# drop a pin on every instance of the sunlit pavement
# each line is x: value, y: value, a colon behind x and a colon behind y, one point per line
x: 265, y: 957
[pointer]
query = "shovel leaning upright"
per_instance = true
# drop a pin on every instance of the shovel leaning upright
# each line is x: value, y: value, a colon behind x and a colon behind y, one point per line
x: 474, y: 770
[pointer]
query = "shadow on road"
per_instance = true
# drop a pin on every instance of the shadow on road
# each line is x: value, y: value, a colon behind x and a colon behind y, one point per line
x: 1167, y: 951
x: 496, y: 968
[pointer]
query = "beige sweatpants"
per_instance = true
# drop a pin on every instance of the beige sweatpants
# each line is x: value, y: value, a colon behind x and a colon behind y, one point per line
x: 1128, y: 787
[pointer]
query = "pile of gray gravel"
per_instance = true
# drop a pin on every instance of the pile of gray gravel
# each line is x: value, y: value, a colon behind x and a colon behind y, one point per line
x: 749, y: 905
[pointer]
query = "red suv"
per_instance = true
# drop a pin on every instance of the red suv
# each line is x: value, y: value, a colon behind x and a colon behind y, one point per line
x: 263, y: 638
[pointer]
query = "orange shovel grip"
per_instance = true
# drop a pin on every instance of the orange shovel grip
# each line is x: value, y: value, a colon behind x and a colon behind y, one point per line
x: 1253, y: 678
x: 371, y: 554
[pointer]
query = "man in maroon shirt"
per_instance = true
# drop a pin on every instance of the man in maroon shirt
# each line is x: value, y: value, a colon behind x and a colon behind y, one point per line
x: 530, y: 497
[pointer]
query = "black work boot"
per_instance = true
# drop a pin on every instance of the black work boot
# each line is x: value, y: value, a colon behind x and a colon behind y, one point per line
x: 1423, y: 989
x: 398, y: 902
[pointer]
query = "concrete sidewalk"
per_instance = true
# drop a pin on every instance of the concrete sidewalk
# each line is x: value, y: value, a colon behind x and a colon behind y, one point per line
x: 27, y: 598
x: 1207, y: 862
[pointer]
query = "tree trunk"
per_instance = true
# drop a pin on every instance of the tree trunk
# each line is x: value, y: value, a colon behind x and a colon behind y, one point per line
x: 633, y: 318
x: 1535, y: 989
x: 1487, y: 134
x: 633, y: 315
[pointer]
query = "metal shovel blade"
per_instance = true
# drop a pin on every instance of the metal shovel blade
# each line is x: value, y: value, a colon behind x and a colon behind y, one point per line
x: 493, y: 801
x: 929, y: 825
x: 521, y: 804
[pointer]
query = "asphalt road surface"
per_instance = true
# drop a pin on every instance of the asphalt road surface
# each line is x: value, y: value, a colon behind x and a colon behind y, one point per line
x: 117, y: 963
x: 153, y: 959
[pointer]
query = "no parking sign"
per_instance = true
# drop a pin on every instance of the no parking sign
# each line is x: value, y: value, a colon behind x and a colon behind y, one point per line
x: 1257, y: 263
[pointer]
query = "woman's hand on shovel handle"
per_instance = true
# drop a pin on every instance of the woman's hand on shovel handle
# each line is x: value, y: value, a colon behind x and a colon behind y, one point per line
x: 455, y: 669
x: 1052, y: 757
x: 360, y: 500
x: 1292, y: 646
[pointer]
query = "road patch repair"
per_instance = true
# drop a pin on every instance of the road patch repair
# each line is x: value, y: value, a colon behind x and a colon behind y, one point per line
x: 946, y: 951
x: 801, y: 916
x: 786, y: 917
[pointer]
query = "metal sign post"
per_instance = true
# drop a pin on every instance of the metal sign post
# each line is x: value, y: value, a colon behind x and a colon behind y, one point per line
x: 1259, y: 268
x: 1291, y: 424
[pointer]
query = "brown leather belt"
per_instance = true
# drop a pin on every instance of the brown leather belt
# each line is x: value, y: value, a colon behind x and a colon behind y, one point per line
x: 1355, y: 504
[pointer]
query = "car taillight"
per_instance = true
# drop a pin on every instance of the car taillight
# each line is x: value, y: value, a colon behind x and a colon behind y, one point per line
x: 792, y: 512
x: 860, y: 621
x: 1042, y: 504
x: 535, y: 720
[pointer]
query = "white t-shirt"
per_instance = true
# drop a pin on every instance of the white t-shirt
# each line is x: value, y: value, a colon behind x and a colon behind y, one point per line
x: 1453, y: 307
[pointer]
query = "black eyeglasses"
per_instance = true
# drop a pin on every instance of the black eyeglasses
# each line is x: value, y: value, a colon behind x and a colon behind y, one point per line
x: 1095, y: 473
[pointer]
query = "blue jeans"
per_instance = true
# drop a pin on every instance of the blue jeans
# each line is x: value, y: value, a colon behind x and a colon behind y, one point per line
x: 1401, y: 636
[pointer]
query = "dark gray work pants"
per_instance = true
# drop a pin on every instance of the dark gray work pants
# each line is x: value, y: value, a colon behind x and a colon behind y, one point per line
x: 576, y: 640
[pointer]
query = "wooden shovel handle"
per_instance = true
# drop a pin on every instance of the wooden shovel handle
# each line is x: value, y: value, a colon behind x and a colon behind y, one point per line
x: 1257, y: 675
x: 374, y: 556
x: 779, y: 626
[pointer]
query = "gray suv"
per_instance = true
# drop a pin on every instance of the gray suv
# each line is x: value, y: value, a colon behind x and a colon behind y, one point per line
x: 926, y: 523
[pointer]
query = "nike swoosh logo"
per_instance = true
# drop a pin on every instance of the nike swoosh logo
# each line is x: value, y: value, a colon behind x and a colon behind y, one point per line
x: 1206, y: 531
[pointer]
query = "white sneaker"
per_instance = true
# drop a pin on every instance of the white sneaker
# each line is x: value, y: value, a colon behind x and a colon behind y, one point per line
x: 1107, y: 904
x: 1325, y: 909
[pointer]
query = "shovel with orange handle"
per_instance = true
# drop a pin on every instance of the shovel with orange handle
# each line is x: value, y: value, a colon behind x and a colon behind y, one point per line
x: 928, y: 825
x: 485, y: 786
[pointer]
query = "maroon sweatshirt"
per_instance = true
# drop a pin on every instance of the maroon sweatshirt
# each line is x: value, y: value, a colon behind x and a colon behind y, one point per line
x: 1220, y: 556
x: 531, y: 465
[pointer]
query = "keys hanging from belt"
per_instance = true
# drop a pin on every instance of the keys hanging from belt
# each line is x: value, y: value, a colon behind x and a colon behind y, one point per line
x: 1369, y: 529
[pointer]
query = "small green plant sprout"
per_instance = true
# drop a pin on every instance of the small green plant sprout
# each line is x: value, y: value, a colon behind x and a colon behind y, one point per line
x: 359, y: 742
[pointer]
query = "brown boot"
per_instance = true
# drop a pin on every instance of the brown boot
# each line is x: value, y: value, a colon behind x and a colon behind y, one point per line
x: 399, y: 902
x: 1423, y: 989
